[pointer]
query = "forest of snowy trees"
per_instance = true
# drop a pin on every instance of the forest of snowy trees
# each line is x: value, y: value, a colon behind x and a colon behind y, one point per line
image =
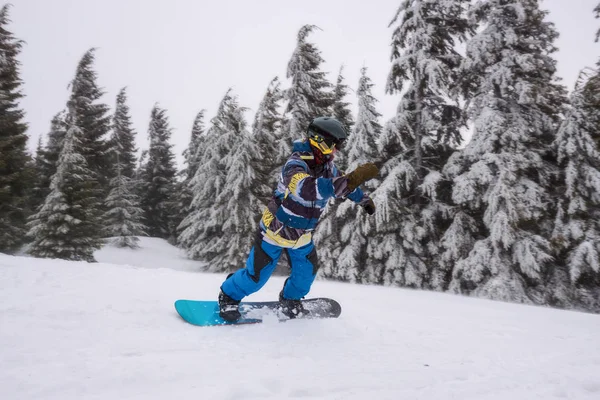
x: 513, y: 214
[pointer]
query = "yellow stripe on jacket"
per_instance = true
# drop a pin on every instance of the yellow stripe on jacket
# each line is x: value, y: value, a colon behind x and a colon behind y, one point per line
x: 293, y: 186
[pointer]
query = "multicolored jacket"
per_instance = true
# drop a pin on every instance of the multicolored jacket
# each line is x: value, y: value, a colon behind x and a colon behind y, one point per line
x: 301, y: 196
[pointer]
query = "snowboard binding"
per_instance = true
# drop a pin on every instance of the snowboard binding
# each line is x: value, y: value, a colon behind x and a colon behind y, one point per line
x: 292, y: 308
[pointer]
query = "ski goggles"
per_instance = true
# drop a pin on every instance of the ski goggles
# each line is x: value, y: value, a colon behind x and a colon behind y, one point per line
x: 325, y: 144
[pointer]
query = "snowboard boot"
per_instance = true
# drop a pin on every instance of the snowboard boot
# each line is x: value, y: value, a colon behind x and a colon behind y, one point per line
x: 228, y: 308
x: 292, y: 308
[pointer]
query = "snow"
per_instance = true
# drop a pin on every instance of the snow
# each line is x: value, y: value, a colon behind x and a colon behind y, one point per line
x: 72, y: 330
x: 153, y: 253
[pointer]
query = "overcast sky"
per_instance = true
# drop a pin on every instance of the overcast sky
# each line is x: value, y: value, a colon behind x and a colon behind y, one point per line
x: 185, y: 54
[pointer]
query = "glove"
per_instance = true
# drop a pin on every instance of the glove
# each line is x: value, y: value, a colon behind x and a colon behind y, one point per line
x: 368, y: 205
x: 361, y: 174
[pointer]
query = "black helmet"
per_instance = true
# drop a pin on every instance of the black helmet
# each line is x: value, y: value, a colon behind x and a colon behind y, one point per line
x: 326, y: 130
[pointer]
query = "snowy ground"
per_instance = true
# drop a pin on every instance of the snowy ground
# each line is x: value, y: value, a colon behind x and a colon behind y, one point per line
x: 102, y: 331
x: 153, y: 253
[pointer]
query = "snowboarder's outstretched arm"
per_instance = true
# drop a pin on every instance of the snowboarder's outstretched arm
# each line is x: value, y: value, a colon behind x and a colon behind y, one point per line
x: 305, y: 187
x: 359, y: 197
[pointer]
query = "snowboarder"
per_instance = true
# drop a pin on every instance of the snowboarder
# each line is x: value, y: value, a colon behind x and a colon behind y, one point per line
x: 308, y: 180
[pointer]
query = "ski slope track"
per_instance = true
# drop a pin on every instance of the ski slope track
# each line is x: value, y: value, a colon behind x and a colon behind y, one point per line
x: 72, y: 330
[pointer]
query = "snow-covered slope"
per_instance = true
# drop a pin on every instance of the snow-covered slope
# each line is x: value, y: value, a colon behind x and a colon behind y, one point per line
x: 153, y: 253
x: 73, y: 330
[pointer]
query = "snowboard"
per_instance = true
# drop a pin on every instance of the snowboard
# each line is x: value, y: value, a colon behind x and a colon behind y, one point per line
x: 206, y: 313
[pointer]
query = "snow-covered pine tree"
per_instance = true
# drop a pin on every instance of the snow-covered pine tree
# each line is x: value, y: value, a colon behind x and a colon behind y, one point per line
x: 308, y: 96
x: 159, y: 177
x: 122, y: 140
x: 204, y: 224
x: 349, y: 260
x: 192, y: 157
x: 123, y: 218
x: 140, y: 172
x: 237, y: 203
x: 38, y: 194
x: 67, y: 225
x: 502, y: 177
x: 193, y: 154
x: 14, y: 180
x: 341, y: 108
x: 267, y: 137
x: 48, y: 158
x: 362, y: 147
x: 418, y: 140
x: 341, y: 111
x: 577, y: 228
x: 92, y: 119
x: 141, y: 180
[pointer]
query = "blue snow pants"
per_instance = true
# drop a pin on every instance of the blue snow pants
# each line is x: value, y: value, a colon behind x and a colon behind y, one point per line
x: 261, y: 263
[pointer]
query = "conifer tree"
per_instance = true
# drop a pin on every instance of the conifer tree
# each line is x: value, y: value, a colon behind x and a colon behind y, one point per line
x: 341, y: 108
x: 140, y: 172
x: 67, y: 225
x: 502, y: 177
x: 14, y: 180
x: 123, y: 217
x: 192, y: 157
x: 266, y: 134
x: 193, y: 154
x: 577, y: 227
x: 204, y: 224
x: 93, y: 119
x: 237, y: 202
x: 38, y: 193
x: 159, y: 177
x: 122, y: 141
x: 344, y: 247
x: 48, y: 158
x: 341, y: 111
x: 418, y: 140
x: 76, y: 199
x: 362, y: 147
x: 308, y: 96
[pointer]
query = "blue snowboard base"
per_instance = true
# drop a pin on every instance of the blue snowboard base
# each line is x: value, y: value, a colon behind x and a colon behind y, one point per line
x: 206, y: 313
